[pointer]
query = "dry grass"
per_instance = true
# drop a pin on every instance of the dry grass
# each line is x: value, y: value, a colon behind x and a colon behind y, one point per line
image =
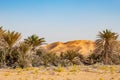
x: 62, y: 73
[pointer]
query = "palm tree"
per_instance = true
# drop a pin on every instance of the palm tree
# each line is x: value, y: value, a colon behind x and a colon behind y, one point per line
x: 105, y: 45
x: 23, y: 55
x: 34, y: 41
x: 11, y: 38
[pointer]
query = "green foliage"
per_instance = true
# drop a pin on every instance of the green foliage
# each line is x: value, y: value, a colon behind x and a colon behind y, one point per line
x: 27, y: 53
x: 94, y: 58
x: 72, y: 56
x: 105, y: 47
x: 59, y: 69
x: 107, y: 35
x: 11, y: 37
x: 37, y: 57
x: 50, y: 59
x: 24, y: 57
x: 34, y: 40
x: 74, y: 68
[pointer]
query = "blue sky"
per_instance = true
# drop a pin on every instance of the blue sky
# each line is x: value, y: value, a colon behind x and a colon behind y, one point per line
x: 60, y: 20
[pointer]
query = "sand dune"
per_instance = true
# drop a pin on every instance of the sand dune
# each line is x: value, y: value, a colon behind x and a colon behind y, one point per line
x: 84, y: 47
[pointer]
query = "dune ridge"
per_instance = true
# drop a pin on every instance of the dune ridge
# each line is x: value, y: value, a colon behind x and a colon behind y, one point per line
x: 84, y: 47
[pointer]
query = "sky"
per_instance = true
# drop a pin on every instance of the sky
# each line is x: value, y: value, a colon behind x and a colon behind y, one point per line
x: 60, y: 20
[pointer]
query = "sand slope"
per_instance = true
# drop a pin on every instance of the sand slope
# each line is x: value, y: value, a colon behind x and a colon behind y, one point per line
x: 85, y: 47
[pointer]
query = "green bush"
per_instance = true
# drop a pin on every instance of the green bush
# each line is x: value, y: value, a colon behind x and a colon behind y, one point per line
x: 114, y: 59
x: 71, y: 57
x: 50, y: 59
x: 94, y: 58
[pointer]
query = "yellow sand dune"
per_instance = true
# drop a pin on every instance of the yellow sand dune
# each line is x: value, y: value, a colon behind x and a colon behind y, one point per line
x: 84, y: 47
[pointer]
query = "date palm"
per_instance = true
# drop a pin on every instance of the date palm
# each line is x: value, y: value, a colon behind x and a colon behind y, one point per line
x: 11, y: 38
x: 23, y: 55
x: 34, y: 41
x: 105, y: 45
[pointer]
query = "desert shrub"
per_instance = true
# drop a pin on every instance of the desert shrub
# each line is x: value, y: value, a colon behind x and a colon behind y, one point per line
x: 37, y: 57
x: 36, y: 61
x: 97, y: 58
x: 7, y: 59
x: 71, y: 57
x: 65, y: 62
x: 93, y: 59
x: 115, y: 59
x: 21, y: 56
x: 44, y: 58
x: 50, y: 59
x: 40, y: 51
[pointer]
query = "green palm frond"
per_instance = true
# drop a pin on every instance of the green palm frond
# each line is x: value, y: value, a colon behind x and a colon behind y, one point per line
x: 107, y: 35
x: 11, y: 37
x: 34, y: 40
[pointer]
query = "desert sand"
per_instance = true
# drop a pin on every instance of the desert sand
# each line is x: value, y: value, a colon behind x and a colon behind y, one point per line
x: 60, y: 73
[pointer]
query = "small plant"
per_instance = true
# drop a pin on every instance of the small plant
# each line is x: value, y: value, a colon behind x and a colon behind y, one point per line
x: 19, y: 72
x: 74, y: 68
x: 18, y: 69
x: 36, y: 71
x: 105, y: 68
x: 112, y: 70
x: 59, y: 68
x: 7, y: 74
x: 27, y: 69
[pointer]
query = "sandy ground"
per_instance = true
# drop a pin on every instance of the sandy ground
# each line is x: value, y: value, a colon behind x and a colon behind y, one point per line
x: 61, y: 73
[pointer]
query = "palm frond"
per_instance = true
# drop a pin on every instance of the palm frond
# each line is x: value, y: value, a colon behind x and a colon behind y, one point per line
x: 11, y: 37
x: 34, y: 40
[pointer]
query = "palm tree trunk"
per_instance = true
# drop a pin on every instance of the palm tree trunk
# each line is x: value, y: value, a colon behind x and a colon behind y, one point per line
x: 107, y: 53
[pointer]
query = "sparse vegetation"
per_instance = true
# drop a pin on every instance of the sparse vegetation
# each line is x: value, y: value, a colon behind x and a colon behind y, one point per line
x: 60, y: 69
x: 26, y: 55
x: 71, y: 57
